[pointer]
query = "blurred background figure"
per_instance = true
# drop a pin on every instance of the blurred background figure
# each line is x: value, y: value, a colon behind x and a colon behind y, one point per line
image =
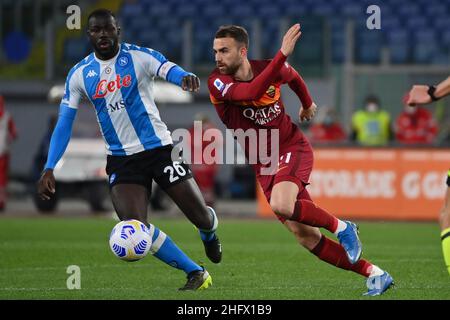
x: 40, y: 157
x: 415, y: 125
x: 326, y: 127
x: 37, y: 166
x: 205, y: 174
x: 8, y: 133
x: 372, y: 125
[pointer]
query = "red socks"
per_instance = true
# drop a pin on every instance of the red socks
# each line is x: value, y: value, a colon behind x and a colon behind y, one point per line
x: 308, y: 213
x: 333, y: 253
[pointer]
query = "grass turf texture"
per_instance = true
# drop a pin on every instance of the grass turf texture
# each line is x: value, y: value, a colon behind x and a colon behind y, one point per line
x: 261, y: 261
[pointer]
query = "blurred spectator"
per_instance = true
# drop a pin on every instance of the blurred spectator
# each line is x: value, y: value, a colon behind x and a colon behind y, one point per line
x: 326, y: 128
x: 8, y: 133
x: 415, y: 125
x: 41, y: 155
x: 371, y: 126
x: 205, y: 174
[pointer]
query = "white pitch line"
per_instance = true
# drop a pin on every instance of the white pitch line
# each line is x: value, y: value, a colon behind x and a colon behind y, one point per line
x: 65, y: 267
x: 79, y: 290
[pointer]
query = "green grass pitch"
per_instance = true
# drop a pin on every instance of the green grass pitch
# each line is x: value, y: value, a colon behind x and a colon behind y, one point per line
x: 261, y: 261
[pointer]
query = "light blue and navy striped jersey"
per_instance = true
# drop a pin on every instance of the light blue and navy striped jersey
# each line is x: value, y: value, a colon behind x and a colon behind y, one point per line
x: 121, y: 91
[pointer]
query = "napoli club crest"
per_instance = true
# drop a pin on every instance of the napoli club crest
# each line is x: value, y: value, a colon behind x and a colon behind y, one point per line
x: 123, y: 61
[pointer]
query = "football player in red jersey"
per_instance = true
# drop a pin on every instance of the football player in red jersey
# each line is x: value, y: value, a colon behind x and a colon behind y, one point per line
x: 246, y: 95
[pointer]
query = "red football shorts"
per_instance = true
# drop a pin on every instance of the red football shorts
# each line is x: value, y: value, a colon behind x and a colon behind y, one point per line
x: 295, y: 166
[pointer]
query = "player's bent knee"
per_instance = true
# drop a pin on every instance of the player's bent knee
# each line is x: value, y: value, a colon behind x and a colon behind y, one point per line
x: 282, y: 208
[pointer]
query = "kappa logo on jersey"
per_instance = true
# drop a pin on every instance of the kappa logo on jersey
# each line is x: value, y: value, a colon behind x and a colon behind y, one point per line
x: 91, y: 74
x: 219, y: 84
x: 103, y: 87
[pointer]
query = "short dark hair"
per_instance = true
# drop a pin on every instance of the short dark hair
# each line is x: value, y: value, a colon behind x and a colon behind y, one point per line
x: 101, y: 13
x: 238, y: 33
x: 372, y: 99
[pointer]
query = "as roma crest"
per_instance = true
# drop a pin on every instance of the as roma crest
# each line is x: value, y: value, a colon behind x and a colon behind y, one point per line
x: 271, y: 91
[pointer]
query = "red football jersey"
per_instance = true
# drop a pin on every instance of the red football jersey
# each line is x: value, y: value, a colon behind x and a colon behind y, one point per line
x: 327, y: 133
x: 416, y: 127
x: 260, y: 112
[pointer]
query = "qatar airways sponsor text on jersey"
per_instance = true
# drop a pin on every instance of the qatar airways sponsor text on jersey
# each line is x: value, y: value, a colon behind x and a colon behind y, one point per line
x: 265, y: 112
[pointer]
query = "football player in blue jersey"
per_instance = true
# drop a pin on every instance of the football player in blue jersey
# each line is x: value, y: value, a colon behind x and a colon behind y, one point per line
x: 117, y: 80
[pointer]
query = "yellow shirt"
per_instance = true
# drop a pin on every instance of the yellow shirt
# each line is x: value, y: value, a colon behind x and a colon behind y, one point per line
x: 372, y: 128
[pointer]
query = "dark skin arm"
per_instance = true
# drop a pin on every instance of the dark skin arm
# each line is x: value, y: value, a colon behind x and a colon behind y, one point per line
x: 190, y: 83
x: 46, y: 185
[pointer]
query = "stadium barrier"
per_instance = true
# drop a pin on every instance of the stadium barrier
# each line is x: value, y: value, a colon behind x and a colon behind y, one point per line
x: 387, y: 184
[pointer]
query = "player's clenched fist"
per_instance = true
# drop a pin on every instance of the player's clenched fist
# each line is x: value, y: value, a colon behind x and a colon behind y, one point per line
x: 307, y: 114
x: 190, y: 83
x: 46, y: 185
x: 290, y: 38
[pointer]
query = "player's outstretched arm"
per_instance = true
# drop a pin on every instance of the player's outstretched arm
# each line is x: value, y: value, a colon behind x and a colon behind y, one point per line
x: 443, y: 89
x: 298, y: 85
x: 290, y: 39
x: 156, y: 64
x: 58, y: 144
x: 422, y: 94
x: 190, y: 83
x: 186, y: 80
x: 253, y: 90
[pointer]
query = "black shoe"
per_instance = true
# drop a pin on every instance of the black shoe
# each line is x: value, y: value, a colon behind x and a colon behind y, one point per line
x: 197, y: 280
x: 213, y: 250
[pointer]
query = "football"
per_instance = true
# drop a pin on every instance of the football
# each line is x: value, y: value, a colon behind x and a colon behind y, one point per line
x: 130, y: 240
